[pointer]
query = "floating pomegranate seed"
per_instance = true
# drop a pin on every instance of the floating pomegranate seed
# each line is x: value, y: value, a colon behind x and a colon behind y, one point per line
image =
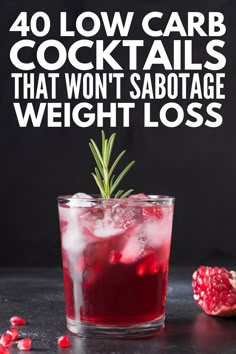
x: 63, y: 342
x: 6, y: 340
x: 18, y: 321
x: 114, y: 257
x: 63, y: 225
x: 13, y: 332
x: 24, y: 344
x: 3, y: 350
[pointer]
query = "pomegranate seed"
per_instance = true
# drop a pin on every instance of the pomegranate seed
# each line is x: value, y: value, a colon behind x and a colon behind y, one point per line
x: 13, y: 332
x: 215, y: 290
x: 18, y: 321
x: 155, y: 212
x: 24, y: 344
x: 81, y: 264
x: 141, y: 269
x: 63, y: 342
x: 6, y: 340
x: 63, y: 225
x: 3, y: 350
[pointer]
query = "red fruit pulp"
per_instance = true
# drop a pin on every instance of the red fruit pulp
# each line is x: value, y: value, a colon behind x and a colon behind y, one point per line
x: 215, y: 290
x: 3, y: 350
x: 120, y: 278
x: 63, y: 342
x: 153, y: 212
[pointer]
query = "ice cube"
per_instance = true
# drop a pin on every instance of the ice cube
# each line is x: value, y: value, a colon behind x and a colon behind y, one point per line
x: 98, y: 221
x: 73, y: 240
x: 105, y: 230
x: 81, y: 200
x: 125, y: 216
x: 131, y: 251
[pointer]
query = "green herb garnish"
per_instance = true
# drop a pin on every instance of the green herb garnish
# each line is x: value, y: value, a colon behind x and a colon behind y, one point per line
x: 106, y: 181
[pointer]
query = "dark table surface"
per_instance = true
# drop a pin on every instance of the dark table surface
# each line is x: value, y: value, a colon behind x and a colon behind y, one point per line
x: 37, y: 295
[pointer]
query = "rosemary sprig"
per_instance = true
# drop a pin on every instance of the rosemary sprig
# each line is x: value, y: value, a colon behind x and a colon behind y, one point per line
x: 106, y: 181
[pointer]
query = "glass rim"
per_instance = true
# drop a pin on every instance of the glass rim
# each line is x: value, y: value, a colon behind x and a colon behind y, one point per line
x: 97, y: 198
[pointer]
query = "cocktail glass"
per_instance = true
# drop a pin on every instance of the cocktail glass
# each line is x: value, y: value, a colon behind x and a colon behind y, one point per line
x: 115, y: 256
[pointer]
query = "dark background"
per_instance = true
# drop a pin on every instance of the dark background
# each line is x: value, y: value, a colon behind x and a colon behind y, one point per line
x: 197, y: 166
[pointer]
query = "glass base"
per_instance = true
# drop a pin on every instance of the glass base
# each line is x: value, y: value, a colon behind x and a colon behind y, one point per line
x: 146, y: 329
